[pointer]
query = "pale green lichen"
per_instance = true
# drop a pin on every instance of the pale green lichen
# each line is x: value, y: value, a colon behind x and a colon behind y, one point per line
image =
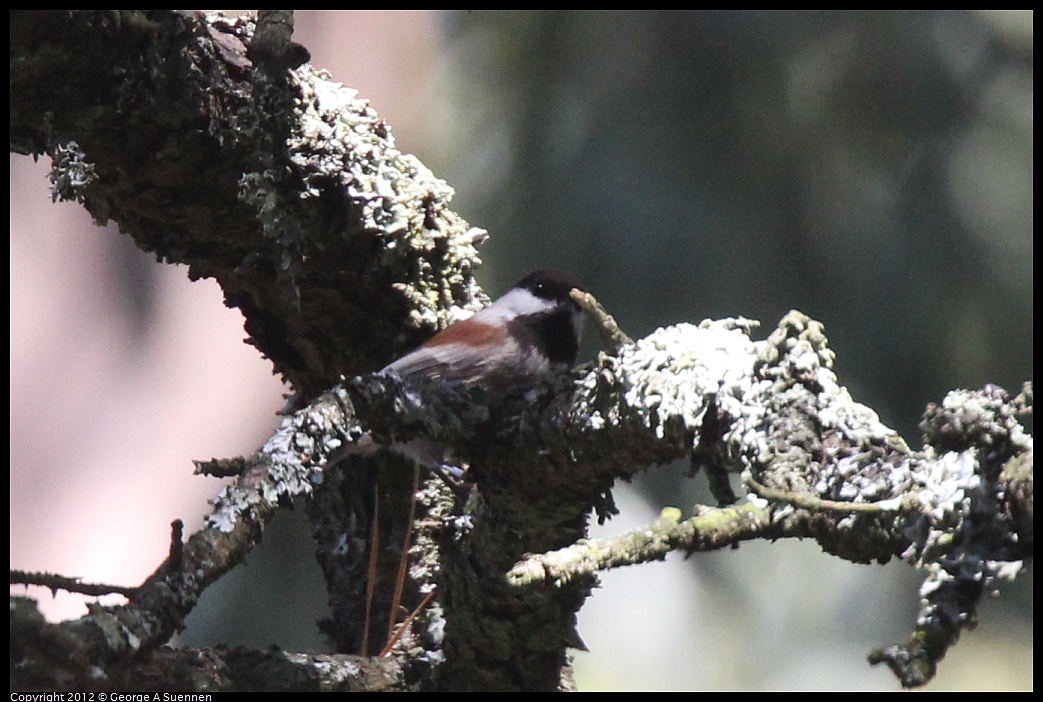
x: 343, y: 140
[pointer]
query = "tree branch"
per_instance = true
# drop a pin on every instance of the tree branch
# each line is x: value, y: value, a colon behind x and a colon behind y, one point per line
x: 283, y: 186
x: 341, y: 251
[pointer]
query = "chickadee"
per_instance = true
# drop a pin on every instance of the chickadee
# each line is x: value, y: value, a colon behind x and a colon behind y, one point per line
x: 525, y: 338
x: 508, y: 348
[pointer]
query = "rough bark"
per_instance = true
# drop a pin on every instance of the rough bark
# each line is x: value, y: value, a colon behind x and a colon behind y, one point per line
x: 217, y: 147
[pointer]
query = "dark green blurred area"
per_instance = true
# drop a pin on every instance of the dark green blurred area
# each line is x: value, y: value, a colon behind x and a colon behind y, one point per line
x: 873, y: 169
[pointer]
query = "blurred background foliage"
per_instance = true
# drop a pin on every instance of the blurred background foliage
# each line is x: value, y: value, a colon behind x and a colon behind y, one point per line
x: 872, y: 169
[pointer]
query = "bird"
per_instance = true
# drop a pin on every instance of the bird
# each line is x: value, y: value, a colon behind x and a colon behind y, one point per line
x: 525, y: 339
x: 528, y: 335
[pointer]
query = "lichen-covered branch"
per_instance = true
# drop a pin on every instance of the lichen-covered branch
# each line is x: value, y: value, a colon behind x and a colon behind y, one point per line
x: 219, y: 669
x: 821, y: 465
x: 340, y: 250
x: 942, y: 512
x: 712, y: 528
x: 282, y: 185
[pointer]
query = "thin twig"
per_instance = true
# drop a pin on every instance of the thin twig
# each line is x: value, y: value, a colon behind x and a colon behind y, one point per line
x: 611, y: 335
x: 408, y: 620
x: 371, y: 570
x: 814, y: 503
x: 403, y: 562
x: 60, y: 582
